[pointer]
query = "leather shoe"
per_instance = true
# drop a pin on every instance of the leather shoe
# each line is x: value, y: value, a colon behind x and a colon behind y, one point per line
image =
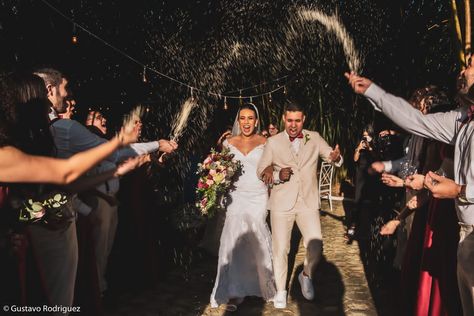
x: 306, y: 286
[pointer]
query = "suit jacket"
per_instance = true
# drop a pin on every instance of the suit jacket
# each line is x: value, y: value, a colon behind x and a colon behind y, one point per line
x: 304, y: 181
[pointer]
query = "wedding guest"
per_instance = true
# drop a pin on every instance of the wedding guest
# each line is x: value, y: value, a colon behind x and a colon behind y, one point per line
x: 25, y: 125
x: 453, y: 127
x: 70, y: 137
x: 103, y: 216
x: 272, y: 129
x: 19, y: 166
x: 364, y: 155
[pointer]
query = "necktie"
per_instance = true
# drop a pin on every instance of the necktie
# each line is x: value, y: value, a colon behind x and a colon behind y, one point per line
x: 300, y: 135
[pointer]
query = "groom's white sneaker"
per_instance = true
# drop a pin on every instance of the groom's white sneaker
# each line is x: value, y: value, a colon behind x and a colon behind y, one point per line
x: 306, y: 286
x: 279, y: 301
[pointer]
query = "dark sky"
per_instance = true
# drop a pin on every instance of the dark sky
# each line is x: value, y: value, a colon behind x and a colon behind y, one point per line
x: 402, y: 49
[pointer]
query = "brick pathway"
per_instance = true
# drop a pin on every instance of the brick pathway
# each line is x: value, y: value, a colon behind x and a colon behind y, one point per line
x: 341, y: 286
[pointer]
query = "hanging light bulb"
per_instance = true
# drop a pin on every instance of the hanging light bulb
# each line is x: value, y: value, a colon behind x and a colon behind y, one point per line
x: 74, y: 38
x: 192, y: 94
x: 144, y: 74
x: 226, y: 107
x: 270, y: 98
x: 284, y: 90
x: 251, y: 100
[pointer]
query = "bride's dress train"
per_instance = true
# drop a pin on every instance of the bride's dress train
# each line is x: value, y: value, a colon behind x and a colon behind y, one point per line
x: 245, y: 257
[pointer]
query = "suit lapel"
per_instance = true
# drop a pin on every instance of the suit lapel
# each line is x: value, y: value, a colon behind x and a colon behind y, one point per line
x: 304, y: 148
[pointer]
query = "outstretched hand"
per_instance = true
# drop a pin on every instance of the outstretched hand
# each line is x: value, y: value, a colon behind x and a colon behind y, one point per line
x: 131, y: 164
x: 441, y: 187
x: 359, y: 84
x: 392, y: 180
x: 415, y: 181
x: 167, y: 146
x: 335, y: 155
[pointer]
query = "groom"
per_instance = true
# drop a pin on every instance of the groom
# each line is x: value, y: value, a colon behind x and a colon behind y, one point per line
x: 294, y: 155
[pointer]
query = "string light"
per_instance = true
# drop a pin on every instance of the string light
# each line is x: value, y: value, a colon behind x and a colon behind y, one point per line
x: 123, y: 53
x: 144, y: 75
x: 226, y: 107
x: 192, y: 94
x: 74, y: 38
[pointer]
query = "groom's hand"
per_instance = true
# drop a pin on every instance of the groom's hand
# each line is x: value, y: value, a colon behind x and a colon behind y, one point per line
x: 335, y: 155
x: 285, y: 174
x: 267, y: 175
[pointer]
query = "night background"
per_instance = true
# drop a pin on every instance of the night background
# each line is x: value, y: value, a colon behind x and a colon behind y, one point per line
x: 224, y: 47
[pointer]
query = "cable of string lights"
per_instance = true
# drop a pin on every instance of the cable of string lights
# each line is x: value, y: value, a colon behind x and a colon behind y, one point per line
x: 225, y: 96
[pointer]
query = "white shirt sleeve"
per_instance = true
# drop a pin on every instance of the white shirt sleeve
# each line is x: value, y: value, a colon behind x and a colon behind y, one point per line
x: 145, y: 148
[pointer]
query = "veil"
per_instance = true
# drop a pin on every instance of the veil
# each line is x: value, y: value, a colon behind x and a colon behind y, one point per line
x: 236, y: 126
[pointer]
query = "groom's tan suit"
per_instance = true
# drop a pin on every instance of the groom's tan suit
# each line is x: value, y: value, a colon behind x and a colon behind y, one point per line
x: 295, y: 200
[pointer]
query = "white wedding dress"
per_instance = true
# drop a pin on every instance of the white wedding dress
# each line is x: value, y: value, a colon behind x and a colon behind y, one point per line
x: 245, y: 256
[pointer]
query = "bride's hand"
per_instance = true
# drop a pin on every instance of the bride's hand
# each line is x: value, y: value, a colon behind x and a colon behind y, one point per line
x: 267, y: 175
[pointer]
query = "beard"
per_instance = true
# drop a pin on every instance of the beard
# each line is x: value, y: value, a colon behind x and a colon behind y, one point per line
x: 60, y: 106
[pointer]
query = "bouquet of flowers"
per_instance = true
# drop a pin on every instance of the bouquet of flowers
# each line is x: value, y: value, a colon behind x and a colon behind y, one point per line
x: 216, y: 176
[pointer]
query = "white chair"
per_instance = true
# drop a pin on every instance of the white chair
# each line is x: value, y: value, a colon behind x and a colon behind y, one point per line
x: 325, y: 182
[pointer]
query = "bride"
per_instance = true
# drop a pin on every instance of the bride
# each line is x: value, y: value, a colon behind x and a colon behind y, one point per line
x: 245, y: 258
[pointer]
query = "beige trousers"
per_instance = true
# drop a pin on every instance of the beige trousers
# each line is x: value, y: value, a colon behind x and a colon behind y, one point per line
x: 465, y: 269
x: 310, y: 227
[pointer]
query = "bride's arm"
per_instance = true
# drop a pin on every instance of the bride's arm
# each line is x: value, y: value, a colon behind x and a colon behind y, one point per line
x: 265, y: 164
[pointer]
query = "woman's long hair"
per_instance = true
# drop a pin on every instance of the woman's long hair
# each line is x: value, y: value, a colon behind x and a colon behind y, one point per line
x: 24, y: 109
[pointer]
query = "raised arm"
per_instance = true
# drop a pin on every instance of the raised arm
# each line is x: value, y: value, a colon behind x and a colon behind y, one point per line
x: 16, y: 166
x: 438, y: 126
x: 328, y: 154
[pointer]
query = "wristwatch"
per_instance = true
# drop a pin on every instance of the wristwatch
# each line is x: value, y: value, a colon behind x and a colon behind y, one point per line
x: 462, y: 194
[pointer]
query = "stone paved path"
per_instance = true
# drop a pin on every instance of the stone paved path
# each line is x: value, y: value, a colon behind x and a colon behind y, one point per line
x: 340, y: 285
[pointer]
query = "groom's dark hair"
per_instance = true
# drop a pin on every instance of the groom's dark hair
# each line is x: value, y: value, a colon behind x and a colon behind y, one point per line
x: 293, y: 106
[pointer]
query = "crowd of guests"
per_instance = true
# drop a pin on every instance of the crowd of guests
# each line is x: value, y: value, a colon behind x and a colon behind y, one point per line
x: 59, y: 179
x: 435, y: 222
